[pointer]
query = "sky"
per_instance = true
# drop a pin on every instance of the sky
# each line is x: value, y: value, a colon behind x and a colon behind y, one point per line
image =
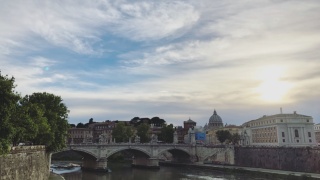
x: 119, y: 59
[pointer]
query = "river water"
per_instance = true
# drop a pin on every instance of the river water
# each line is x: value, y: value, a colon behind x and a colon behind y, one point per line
x: 123, y: 171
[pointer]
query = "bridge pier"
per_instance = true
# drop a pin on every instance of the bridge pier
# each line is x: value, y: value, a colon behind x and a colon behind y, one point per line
x: 95, y: 165
x: 152, y: 163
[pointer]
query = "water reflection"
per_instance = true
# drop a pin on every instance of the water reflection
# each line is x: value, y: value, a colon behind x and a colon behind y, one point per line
x: 125, y: 172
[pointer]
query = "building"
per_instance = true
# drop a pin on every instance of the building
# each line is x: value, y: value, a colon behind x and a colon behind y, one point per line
x: 317, y: 133
x: 183, y: 131
x: 180, y: 134
x: 211, y: 134
x: 78, y: 135
x: 279, y: 130
x: 197, y: 133
x: 92, y: 133
x: 189, y: 124
x: 215, y: 122
x: 102, y: 128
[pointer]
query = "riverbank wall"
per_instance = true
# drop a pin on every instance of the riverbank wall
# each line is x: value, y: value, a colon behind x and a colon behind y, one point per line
x: 299, y: 159
x: 25, y: 162
x: 259, y: 172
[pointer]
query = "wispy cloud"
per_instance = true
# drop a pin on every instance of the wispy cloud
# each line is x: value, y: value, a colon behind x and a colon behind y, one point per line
x: 173, y: 59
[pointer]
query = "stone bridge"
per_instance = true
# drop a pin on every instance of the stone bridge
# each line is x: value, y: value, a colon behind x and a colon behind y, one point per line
x: 149, y: 154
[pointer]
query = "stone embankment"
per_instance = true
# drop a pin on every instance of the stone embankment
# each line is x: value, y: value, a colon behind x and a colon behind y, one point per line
x: 25, y: 162
x: 297, y: 159
x: 263, y: 173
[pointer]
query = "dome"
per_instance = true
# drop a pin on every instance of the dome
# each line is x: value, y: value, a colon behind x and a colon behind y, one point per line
x: 215, y: 118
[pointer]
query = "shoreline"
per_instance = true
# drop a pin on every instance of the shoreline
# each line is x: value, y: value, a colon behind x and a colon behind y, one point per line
x: 292, y: 175
x: 54, y: 176
x: 231, y: 168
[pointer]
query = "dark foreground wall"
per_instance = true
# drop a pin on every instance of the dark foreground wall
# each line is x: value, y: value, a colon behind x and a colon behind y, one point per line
x: 25, y: 162
x: 303, y: 159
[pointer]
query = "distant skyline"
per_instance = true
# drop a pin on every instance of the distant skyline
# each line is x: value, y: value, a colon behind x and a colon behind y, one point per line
x: 114, y: 60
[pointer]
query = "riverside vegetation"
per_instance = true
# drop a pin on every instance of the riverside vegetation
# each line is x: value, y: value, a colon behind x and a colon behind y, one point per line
x: 37, y: 119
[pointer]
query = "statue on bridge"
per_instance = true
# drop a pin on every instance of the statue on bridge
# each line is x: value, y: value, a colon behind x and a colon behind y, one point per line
x: 137, y: 139
x: 103, y: 138
x: 154, y: 138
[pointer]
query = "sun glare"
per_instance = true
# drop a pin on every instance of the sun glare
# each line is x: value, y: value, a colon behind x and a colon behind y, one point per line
x: 272, y: 89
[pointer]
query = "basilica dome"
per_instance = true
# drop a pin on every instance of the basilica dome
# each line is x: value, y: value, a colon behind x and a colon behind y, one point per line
x: 215, y: 118
x: 215, y: 121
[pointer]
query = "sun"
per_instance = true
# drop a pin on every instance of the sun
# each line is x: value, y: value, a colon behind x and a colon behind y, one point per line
x: 272, y: 88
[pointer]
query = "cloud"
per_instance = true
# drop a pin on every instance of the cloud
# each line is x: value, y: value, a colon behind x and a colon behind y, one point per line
x: 172, y: 59
x: 79, y: 26
x: 147, y: 20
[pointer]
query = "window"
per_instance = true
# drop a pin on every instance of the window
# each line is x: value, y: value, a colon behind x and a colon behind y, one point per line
x: 309, y: 134
x: 283, y: 140
x: 282, y: 134
x: 310, y: 140
x: 297, y: 140
x: 296, y: 133
x: 281, y: 120
x: 307, y: 120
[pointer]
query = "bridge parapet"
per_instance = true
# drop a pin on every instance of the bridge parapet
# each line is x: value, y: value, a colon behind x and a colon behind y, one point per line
x: 153, y: 151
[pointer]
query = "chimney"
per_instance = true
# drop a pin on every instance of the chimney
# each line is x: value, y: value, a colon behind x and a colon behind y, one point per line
x: 280, y: 110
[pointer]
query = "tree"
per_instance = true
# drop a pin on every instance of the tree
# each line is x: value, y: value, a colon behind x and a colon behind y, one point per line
x: 134, y: 121
x: 122, y: 133
x: 25, y: 122
x: 8, y: 103
x: 56, y: 114
x: 80, y: 125
x: 33, y: 125
x: 143, y: 132
x: 235, y: 138
x: 166, y: 134
x: 223, y: 135
x: 157, y: 121
x: 90, y: 120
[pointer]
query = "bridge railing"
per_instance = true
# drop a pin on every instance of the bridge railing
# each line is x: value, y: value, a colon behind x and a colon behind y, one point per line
x: 153, y: 144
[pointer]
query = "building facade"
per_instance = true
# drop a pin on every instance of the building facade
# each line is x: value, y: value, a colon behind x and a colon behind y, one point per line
x: 317, y: 133
x: 212, y: 137
x: 102, y: 129
x: 279, y: 130
x: 78, y: 135
x: 183, y: 131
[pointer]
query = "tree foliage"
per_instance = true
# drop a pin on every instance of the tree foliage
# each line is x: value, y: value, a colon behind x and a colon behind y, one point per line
x: 56, y: 114
x: 235, y: 138
x: 40, y: 118
x: 157, y: 121
x: 80, y: 125
x: 8, y: 104
x: 143, y: 132
x: 223, y: 135
x: 122, y: 133
x: 166, y: 134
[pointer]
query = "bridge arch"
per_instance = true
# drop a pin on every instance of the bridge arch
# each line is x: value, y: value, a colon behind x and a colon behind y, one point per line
x: 82, y: 152
x: 178, y: 155
x: 137, y: 149
x: 174, y: 149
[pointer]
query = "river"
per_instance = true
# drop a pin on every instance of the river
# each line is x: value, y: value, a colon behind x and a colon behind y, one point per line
x: 123, y: 171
